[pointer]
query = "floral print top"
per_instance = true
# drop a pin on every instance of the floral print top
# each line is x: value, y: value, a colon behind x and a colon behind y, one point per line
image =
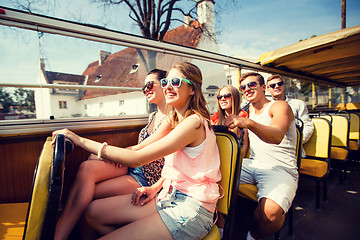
x: 152, y: 170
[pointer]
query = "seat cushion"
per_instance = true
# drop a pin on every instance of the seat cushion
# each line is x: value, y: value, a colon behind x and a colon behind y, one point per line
x: 339, y: 153
x: 12, y: 220
x: 353, y: 145
x: 213, y: 234
x: 313, y: 167
x: 248, y: 191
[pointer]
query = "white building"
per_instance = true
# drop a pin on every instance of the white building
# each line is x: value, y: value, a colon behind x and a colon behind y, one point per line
x: 126, y: 69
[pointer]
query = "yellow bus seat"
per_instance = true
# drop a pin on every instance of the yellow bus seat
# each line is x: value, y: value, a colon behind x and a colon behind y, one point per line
x: 354, y: 134
x: 37, y: 219
x: 230, y: 149
x: 313, y: 167
x: 353, y: 145
x: 339, y: 142
x: 316, y: 162
x: 352, y: 106
x: 340, y: 106
x: 249, y: 191
x: 12, y: 220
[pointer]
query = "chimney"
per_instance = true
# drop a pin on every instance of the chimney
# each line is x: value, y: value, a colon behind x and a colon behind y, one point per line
x: 102, y: 56
x: 187, y: 20
x: 42, y: 64
x: 205, y: 12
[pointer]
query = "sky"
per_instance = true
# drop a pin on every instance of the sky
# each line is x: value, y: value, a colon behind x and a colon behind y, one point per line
x: 248, y: 29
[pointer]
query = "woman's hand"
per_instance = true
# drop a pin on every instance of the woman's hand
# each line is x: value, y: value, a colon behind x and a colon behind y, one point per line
x: 67, y: 133
x: 143, y: 195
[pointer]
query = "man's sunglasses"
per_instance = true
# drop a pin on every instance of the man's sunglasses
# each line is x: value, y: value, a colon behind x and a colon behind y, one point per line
x: 227, y: 95
x: 149, y: 85
x: 278, y: 83
x: 251, y: 85
x: 175, y: 82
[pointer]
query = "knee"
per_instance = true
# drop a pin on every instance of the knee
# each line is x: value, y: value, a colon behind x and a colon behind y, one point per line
x: 91, y: 215
x: 270, y: 212
x: 86, y: 170
x: 272, y: 215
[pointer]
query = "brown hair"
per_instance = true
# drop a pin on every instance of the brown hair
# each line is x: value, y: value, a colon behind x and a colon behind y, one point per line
x: 160, y: 74
x: 235, y: 105
x: 259, y: 77
x: 274, y: 77
x: 197, y: 104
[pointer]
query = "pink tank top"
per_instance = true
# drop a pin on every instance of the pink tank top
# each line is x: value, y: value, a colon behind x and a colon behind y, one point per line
x: 196, y: 177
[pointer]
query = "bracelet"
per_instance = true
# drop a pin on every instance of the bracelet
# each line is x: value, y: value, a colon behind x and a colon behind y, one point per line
x: 101, y: 149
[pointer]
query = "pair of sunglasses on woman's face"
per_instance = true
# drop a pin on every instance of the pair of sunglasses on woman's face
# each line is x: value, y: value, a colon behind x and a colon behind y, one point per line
x: 175, y: 82
x: 273, y: 85
x: 149, y: 85
x: 251, y: 85
x: 225, y: 96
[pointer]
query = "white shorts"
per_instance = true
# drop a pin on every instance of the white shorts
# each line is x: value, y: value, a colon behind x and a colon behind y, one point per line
x: 272, y: 182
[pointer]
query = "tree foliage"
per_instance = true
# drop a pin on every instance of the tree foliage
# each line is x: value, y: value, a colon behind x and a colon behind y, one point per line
x: 153, y: 17
x: 5, y: 100
x: 25, y: 99
x: 21, y: 98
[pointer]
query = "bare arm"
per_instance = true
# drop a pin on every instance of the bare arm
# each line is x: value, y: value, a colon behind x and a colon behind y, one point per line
x: 281, y: 115
x: 175, y: 140
x: 162, y: 131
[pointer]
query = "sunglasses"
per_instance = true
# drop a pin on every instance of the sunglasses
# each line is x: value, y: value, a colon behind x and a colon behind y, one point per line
x: 251, y: 85
x: 227, y: 95
x: 175, y: 82
x: 149, y: 85
x: 278, y: 83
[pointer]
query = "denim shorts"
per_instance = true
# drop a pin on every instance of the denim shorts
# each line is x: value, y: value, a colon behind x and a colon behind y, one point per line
x: 184, y: 216
x: 138, y: 175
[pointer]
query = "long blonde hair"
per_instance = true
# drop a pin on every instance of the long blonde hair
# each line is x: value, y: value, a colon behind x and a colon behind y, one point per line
x: 235, y: 105
x: 197, y: 104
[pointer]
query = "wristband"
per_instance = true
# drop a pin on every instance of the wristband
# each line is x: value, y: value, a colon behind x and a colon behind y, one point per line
x: 101, y: 149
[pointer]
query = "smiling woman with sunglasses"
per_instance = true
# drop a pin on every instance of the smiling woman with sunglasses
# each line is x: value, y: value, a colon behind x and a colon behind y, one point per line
x: 98, y: 179
x: 185, y: 206
x: 228, y: 103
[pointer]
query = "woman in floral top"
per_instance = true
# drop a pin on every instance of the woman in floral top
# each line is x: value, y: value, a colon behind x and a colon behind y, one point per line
x: 101, y: 178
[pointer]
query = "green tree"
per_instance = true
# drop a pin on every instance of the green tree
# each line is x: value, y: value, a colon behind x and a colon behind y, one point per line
x: 25, y: 99
x: 153, y: 18
x: 6, y: 100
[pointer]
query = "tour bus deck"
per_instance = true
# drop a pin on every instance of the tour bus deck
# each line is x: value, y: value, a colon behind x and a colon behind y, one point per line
x: 337, y: 218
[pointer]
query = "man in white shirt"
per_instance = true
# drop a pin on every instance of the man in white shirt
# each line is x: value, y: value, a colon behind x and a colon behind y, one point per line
x: 272, y: 163
x: 275, y: 86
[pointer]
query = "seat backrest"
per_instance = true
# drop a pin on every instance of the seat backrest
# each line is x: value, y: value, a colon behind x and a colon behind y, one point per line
x: 340, y: 130
x: 320, y: 141
x: 354, y: 133
x: 231, y: 152
x: 352, y: 106
x: 299, y: 137
x: 46, y: 190
x: 231, y: 160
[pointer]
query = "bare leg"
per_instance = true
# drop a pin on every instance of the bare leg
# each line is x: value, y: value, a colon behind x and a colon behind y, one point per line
x: 82, y: 192
x: 115, y: 186
x: 268, y: 218
x: 107, y: 215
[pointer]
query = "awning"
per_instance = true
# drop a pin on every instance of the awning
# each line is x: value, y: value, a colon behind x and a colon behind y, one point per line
x: 333, y: 57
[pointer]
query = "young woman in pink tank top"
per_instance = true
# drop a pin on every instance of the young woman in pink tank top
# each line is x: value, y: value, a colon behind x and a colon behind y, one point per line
x: 184, y: 208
